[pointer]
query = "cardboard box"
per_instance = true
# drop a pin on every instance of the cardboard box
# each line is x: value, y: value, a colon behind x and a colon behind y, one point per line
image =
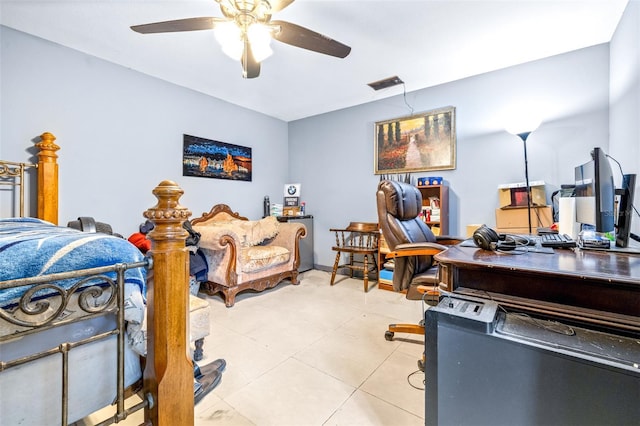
x: 515, y: 220
x: 515, y: 194
x: 472, y: 228
x: 291, y: 211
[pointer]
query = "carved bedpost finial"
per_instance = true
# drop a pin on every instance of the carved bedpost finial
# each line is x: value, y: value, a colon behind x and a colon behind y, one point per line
x: 47, y: 146
x: 168, y: 212
x: 168, y: 374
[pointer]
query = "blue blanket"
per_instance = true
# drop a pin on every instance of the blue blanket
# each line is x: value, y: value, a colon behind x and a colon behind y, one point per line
x: 32, y: 247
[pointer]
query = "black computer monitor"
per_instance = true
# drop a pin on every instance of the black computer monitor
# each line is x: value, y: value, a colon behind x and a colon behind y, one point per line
x: 595, y: 193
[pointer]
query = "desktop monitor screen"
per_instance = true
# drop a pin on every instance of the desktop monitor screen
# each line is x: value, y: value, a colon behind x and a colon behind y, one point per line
x: 595, y: 193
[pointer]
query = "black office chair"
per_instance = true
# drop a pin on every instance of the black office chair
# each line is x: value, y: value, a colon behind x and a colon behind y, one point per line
x: 412, y: 245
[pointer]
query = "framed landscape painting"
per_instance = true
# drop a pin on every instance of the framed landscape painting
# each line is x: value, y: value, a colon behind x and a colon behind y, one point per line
x: 421, y: 142
x: 213, y: 159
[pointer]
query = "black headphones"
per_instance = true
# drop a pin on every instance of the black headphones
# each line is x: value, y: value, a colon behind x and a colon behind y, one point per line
x: 89, y: 224
x: 488, y: 239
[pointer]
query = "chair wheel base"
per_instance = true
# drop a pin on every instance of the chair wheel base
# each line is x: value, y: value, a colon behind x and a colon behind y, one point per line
x: 388, y: 335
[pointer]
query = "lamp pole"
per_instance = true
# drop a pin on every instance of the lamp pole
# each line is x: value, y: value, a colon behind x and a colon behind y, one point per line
x: 524, y: 136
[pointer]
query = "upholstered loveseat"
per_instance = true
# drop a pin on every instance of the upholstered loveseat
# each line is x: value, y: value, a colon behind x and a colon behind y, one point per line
x: 244, y: 254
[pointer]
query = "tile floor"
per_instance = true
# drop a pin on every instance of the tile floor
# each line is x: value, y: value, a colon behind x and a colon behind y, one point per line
x: 313, y: 354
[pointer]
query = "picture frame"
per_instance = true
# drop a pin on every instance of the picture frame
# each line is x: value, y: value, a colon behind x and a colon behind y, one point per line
x: 214, y: 159
x: 417, y: 143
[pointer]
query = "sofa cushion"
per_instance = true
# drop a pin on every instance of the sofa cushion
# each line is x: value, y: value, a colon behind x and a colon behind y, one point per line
x: 256, y: 258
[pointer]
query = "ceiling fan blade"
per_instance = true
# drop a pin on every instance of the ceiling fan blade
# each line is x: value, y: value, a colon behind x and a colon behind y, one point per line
x: 298, y: 36
x: 250, y: 67
x: 278, y: 5
x: 188, y: 24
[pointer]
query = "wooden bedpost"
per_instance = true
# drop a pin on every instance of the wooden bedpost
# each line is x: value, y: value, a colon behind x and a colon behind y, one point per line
x: 48, y: 178
x: 168, y: 374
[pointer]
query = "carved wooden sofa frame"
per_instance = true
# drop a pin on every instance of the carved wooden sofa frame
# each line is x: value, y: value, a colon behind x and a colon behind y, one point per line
x: 231, y: 280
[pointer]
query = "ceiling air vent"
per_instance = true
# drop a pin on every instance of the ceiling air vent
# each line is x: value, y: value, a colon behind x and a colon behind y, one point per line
x: 387, y: 82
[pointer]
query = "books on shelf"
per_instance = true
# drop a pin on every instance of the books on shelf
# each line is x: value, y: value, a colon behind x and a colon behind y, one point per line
x: 430, y: 214
x: 386, y: 274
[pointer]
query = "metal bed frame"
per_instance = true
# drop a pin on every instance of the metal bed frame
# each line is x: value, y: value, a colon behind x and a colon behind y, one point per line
x: 167, y: 386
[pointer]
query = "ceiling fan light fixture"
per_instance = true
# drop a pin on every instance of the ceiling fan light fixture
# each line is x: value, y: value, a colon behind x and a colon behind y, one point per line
x: 229, y: 35
x: 233, y: 50
x: 260, y: 53
x: 260, y: 38
x: 246, y: 30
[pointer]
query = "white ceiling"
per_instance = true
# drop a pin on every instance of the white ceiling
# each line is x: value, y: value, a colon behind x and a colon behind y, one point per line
x: 424, y: 42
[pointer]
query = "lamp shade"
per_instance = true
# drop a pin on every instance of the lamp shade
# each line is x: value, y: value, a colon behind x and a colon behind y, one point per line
x: 259, y: 38
x: 517, y: 126
x: 229, y: 35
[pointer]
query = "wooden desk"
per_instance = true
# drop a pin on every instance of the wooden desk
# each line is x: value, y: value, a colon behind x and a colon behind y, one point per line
x: 596, y: 287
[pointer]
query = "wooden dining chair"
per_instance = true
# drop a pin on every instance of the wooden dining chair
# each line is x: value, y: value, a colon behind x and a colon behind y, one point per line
x: 360, y: 241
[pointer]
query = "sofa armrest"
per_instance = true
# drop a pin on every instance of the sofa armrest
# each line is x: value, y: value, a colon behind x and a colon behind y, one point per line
x: 221, y: 247
x: 289, y: 235
x: 217, y: 238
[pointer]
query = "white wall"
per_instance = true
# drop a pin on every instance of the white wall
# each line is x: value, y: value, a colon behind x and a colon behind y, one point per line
x: 332, y: 154
x: 624, y: 114
x: 120, y: 134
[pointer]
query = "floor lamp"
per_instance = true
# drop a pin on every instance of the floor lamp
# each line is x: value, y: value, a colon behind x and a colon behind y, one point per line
x: 524, y: 136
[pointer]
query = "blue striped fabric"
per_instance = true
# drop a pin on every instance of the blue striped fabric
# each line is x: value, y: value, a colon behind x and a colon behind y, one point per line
x: 32, y: 247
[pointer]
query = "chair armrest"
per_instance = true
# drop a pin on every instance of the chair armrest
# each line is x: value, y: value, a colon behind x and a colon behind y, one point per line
x: 416, y: 249
x: 428, y: 290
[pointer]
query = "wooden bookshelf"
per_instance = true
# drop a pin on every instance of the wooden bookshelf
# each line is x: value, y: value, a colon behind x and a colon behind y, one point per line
x: 439, y: 224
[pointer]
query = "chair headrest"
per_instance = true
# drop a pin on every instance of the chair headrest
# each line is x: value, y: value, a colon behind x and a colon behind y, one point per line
x: 403, y: 201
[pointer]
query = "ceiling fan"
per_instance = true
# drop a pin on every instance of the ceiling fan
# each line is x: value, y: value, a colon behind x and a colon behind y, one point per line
x: 246, y: 30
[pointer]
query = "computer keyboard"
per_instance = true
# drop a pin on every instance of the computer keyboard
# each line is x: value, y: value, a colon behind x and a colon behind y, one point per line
x: 557, y: 241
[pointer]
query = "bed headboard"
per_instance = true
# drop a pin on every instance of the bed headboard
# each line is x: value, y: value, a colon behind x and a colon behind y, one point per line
x: 12, y: 173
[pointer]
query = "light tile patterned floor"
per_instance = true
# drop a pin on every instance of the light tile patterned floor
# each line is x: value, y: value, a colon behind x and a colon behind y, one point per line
x: 313, y: 354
